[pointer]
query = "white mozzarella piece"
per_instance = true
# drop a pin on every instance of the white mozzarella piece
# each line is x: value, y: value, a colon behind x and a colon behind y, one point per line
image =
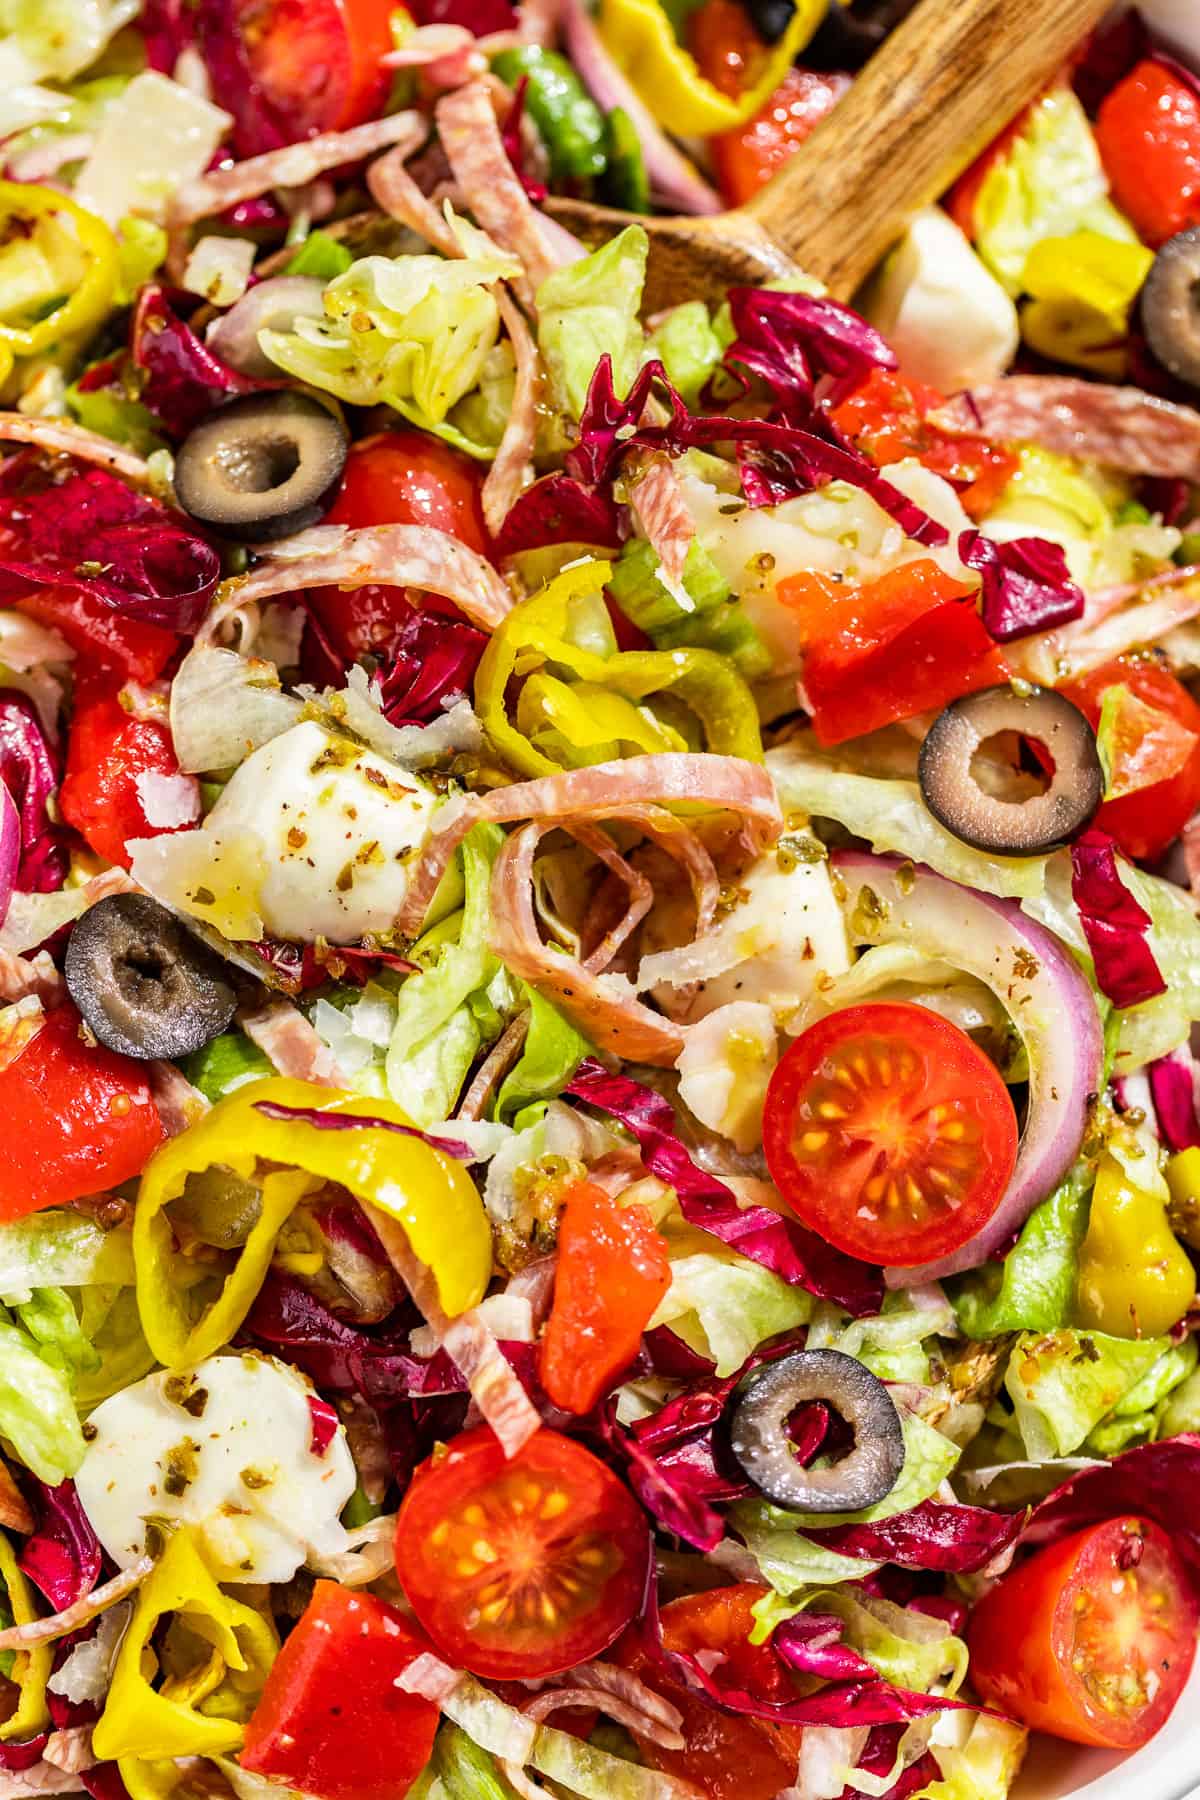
x: 724, y: 1069
x: 226, y: 1447
x: 942, y: 311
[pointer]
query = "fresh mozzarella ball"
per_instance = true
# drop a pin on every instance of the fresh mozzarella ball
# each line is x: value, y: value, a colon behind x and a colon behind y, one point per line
x: 227, y: 1447
x: 312, y: 837
x: 725, y: 1067
x: 944, y: 314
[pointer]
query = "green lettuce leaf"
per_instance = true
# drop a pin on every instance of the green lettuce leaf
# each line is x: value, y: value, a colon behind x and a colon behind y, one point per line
x: 1033, y: 1289
x: 110, y: 1321
x: 1054, y: 497
x: 979, y: 1756
x: 1063, y: 1383
x: 553, y: 1051
x: 725, y: 1306
x: 589, y: 309
x: 226, y: 1063
x: 60, y: 1249
x: 51, y: 1321
x: 320, y: 256
x: 788, y: 1561
x: 37, y: 1408
x: 466, y: 1772
x: 688, y: 348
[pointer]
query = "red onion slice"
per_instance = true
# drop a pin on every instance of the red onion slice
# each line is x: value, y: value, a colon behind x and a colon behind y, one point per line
x: 276, y: 303
x: 1040, y: 987
x: 10, y: 848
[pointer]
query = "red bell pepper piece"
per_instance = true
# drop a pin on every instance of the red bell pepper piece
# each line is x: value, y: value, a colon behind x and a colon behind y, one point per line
x: 612, y: 1272
x: 1148, y: 130
x: 886, y: 419
x: 331, y: 1721
x: 101, y: 638
x: 109, y: 753
x: 78, y: 1119
x: 908, y: 643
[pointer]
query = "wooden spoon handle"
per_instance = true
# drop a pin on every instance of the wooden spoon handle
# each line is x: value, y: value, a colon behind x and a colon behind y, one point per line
x: 945, y: 82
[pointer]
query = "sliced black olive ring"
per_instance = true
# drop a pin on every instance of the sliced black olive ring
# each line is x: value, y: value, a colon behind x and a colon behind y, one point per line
x: 142, y: 983
x: 759, y: 1440
x: 262, y: 467
x: 1171, y: 306
x: 1028, y: 827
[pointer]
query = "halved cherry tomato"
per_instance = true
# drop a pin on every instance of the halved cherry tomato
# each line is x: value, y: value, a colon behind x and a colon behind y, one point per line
x: 331, y: 1721
x: 726, y: 1757
x: 612, y: 1272
x: 746, y: 159
x: 123, y: 776
x: 1146, y: 822
x: 521, y: 1567
x: 1148, y: 130
x: 1091, y: 1639
x: 404, y: 477
x: 885, y: 419
x: 78, y: 1119
x: 907, y: 643
x: 100, y: 637
x: 888, y: 1131
x: 313, y: 65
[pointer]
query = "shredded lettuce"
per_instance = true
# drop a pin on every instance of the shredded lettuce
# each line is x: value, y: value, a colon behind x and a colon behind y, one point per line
x: 979, y: 1756
x: 687, y: 345
x: 552, y: 1052
x: 110, y: 1321
x: 51, y: 1321
x: 912, y: 1650
x: 891, y: 1344
x: 1180, y: 1411
x: 58, y: 38
x: 1052, y: 496
x: 465, y: 1771
x: 1063, y: 1383
x: 414, y: 332
x: 37, y: 1407
x: 589, y: 309
x: 788, y: 1561
x: 1050, y: 183
x: 60, y: 1249
x: 725, y: 1306
x: 321, y: 256
x: 1033, y: 1289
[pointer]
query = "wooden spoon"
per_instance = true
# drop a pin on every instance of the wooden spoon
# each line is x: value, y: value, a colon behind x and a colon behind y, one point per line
x: 951, y: 76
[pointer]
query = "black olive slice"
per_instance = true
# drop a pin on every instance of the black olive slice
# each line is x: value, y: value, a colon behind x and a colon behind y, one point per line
x: 1171, y: 306
x: 771, y: 18
x: 1027, y: 827
x: 850, y: 35
x: 143, y: 984
x: 758, y: 1436
x: 262, y: 467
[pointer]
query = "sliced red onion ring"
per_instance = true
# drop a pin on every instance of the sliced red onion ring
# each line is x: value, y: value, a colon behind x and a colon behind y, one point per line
x: 276, y: 303
x: 1039, y: 986
x: 10, y: 848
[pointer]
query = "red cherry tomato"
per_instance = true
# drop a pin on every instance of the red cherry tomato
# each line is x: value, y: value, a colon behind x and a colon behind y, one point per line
x: 331, y: 1721
x: 100, y: 637
x: 612, y: 1272
x: 1148, y: 130
x: 1091, y: 1639
x: 311, y: 65
x: 746, y: 158
x: 404, y: 477
x: 521, y: 1568
x: 885, y: 419
x: 77, y: 1119
x: 1146, y: 822
x: 909, y: 642
x: 105, y: 793
x: 726, y: 1757
x: 888, y: 1131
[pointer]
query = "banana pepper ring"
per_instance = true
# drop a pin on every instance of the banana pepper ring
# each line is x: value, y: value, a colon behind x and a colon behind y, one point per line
x: 70, y: 256
x: 31, y: 1668
x: 141, y: 1725
x: 534, y: 636
x: 640, y: 38
x: 428, y: 1192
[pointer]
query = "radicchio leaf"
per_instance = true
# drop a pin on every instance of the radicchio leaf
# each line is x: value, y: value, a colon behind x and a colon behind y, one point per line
x: 1027, y: 586
x: 16, y: 1758
x: 786, y: 1247
x: 85, y: 529
x: 324, y: 1424
x: 30, y: 770
x: 1174, y: 1090
x: 435, y: 660
x: 811, y: 1644
x: 182, y: 379
x: 1108, y: 56
x: 321, y: 1119
x: 514, y: 147
x: 62, y: 1557
x: 480, y: 16
x: 1114, y: 922
x: 950, y: 1539
x: 879, y: 1758
x: 788, y: 340
x: 560, y: 510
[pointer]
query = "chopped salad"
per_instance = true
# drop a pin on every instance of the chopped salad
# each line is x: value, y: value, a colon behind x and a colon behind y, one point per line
x: 599, y: 918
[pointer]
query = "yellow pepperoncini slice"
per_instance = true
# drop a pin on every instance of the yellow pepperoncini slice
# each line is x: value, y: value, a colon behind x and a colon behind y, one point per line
x: 54, y: 255
x: 640, y: 38
x: 1082, y: 289
x: 1135, y: 1280
x: 140, y: 1724
x: 532, y: 643
x: 428, y: 1192
x: 31, y: 1668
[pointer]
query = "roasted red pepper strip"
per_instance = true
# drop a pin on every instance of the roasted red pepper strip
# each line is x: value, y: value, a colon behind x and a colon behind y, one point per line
x: 104, y: 794
x: 1148, y: 131
x: 100, y: 637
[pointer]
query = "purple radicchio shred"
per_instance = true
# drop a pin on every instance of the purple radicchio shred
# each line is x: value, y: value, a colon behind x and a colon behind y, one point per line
x: 435, y: 659
x: 879, y: 1758
x: 782, y: 1245
x: 934, y: 1535
x: 85, y: 529
x: 324, y: 1424
x: 776, y: 460
x: 480, y: 16
x: 182, y: 380
x: 1114, y: 922
x: 558, y: 509
x: 62, y: 1556
x: 1027, y: 586
x: 295, y: 968
x: 1175, y: 1090
x: 31, y: 771
x: 1108, y: 56
x: 323, y: 1120
x: 811, y: 1644
x: 16, y: 1758
x: 103, y: 1782
x: 790, y: 340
